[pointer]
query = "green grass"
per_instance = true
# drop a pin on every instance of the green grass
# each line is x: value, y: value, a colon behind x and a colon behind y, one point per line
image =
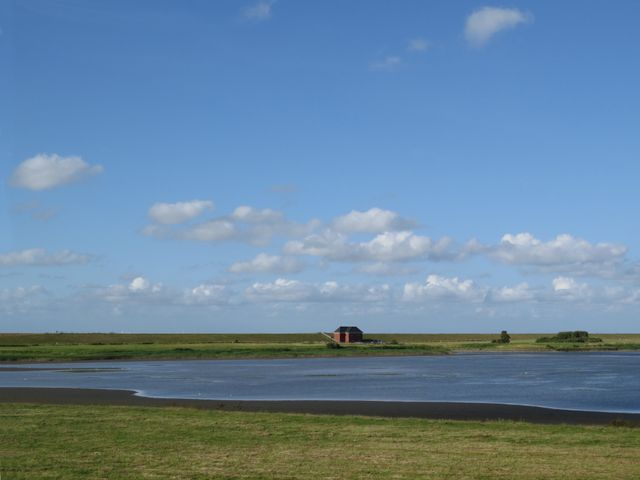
x: 80, y: 442
x: 60, y: 353
x: 113, y: 346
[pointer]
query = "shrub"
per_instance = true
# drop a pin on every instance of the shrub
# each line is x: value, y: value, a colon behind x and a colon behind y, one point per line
x: 504, y: 338
x: 577, y: 336
x: 333, y: 345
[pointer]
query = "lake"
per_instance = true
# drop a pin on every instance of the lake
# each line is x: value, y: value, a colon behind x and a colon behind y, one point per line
x: 598, y: 381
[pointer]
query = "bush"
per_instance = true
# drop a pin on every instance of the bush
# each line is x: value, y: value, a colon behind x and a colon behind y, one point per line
x: 333, y: 345
x: 504, y: 338
x: 577, y: 336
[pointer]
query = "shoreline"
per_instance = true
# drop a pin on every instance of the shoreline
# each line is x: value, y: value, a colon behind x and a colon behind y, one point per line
x: 392, y: 409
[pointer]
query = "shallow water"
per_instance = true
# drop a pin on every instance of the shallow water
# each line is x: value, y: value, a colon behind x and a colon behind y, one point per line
x: 598, y: 381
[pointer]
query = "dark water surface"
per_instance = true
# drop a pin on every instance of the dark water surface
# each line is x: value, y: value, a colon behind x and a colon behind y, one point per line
x: 599, y: 381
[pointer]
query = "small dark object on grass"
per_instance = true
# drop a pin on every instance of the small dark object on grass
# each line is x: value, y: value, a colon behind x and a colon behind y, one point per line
x: 333, y: 345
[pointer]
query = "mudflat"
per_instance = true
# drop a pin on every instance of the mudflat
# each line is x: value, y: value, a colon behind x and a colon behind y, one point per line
x: 430, y: 410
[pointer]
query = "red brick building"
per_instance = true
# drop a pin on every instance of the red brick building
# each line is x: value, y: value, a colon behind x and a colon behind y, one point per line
x: 347, y: 335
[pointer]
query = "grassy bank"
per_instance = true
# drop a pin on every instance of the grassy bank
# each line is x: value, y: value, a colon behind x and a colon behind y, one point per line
x: 74, y: 442
x: 113, y: 346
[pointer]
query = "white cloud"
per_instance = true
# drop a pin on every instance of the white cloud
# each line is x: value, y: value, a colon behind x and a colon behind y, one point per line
x: 141, y: 291
x: 49, y: 171
x: 389, y: 62
x: 265, y: 263
x: 258, y: 12
x: 568, y: 287
x: 245, y: 213
x: 16, y: 301
x: 20, y: 293
x: 374, y: 220
x: 284, y: 290
x: 418, y: 45
x: 385, y: 247
x: 40, y: 257
x: 211, y: 231
x: 439, y: 287
x: 485, y: 22
x: 517, y: 293
x: 245, y: 224
x: 172, y: 213
x: 139, y: 284
x: 563, y: 252
x: 206, y: 294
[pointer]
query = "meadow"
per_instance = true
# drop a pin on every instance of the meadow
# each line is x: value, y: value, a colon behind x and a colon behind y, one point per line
x: 16, y: 347
x: 113, y: 442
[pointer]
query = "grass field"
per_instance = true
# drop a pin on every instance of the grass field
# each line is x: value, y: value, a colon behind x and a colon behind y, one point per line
x: 113, y: 346
x: 75, y: 442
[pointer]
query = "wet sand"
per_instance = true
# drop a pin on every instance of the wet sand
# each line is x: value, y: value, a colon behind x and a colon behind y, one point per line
x: 432, y: 410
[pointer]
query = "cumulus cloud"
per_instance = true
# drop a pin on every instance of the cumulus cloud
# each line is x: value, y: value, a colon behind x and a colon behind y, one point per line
x: 45, y: 171
x: 563, y: 253
x: 518, y: 293
x: 374, y: 220
x: 385, y: 247
x: 389, y: 62
x: 141, y: 284
x: 418, y: 45
x: 568, y: 287
x: 18, y: 300
x: 206, y: 294
x: 41, y: 258
x: 284, y: 290
x: 258, y: 12
x: 138, y: 290
x: 439, y: 287
x: 485, y: 22
x: 172, y: 213
x: 142, y: 291
x: 245, y: 224
x: 20, y: 293
x: 245, y: 213
x: 265, y: 263
x: 211, y: 231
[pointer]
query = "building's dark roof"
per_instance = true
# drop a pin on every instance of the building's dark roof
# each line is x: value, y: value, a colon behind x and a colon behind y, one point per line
x: 348, y: 330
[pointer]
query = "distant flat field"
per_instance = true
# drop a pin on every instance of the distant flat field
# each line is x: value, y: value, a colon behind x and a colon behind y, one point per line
x: 18, y: 339
x: 28, y: 347
x: 115, y: 442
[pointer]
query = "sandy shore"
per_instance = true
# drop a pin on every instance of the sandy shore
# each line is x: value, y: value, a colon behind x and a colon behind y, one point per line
x: 433, y: 410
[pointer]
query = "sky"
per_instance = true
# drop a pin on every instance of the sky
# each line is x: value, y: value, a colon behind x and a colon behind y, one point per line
x: 288, y: 166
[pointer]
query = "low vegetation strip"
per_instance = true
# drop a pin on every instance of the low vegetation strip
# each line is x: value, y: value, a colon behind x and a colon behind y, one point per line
x: 79, y: 442
x: 61, y: 353
x: 115, y: 346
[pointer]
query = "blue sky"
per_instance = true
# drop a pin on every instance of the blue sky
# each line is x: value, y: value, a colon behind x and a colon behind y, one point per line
x: 292, y: 166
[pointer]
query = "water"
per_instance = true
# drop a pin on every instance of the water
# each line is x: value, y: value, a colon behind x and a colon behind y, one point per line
x: 580, y: 381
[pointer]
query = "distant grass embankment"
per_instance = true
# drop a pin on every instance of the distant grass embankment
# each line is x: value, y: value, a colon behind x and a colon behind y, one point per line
x: 61, y: 347
x: 74, y: 347
x: 79, y: 442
